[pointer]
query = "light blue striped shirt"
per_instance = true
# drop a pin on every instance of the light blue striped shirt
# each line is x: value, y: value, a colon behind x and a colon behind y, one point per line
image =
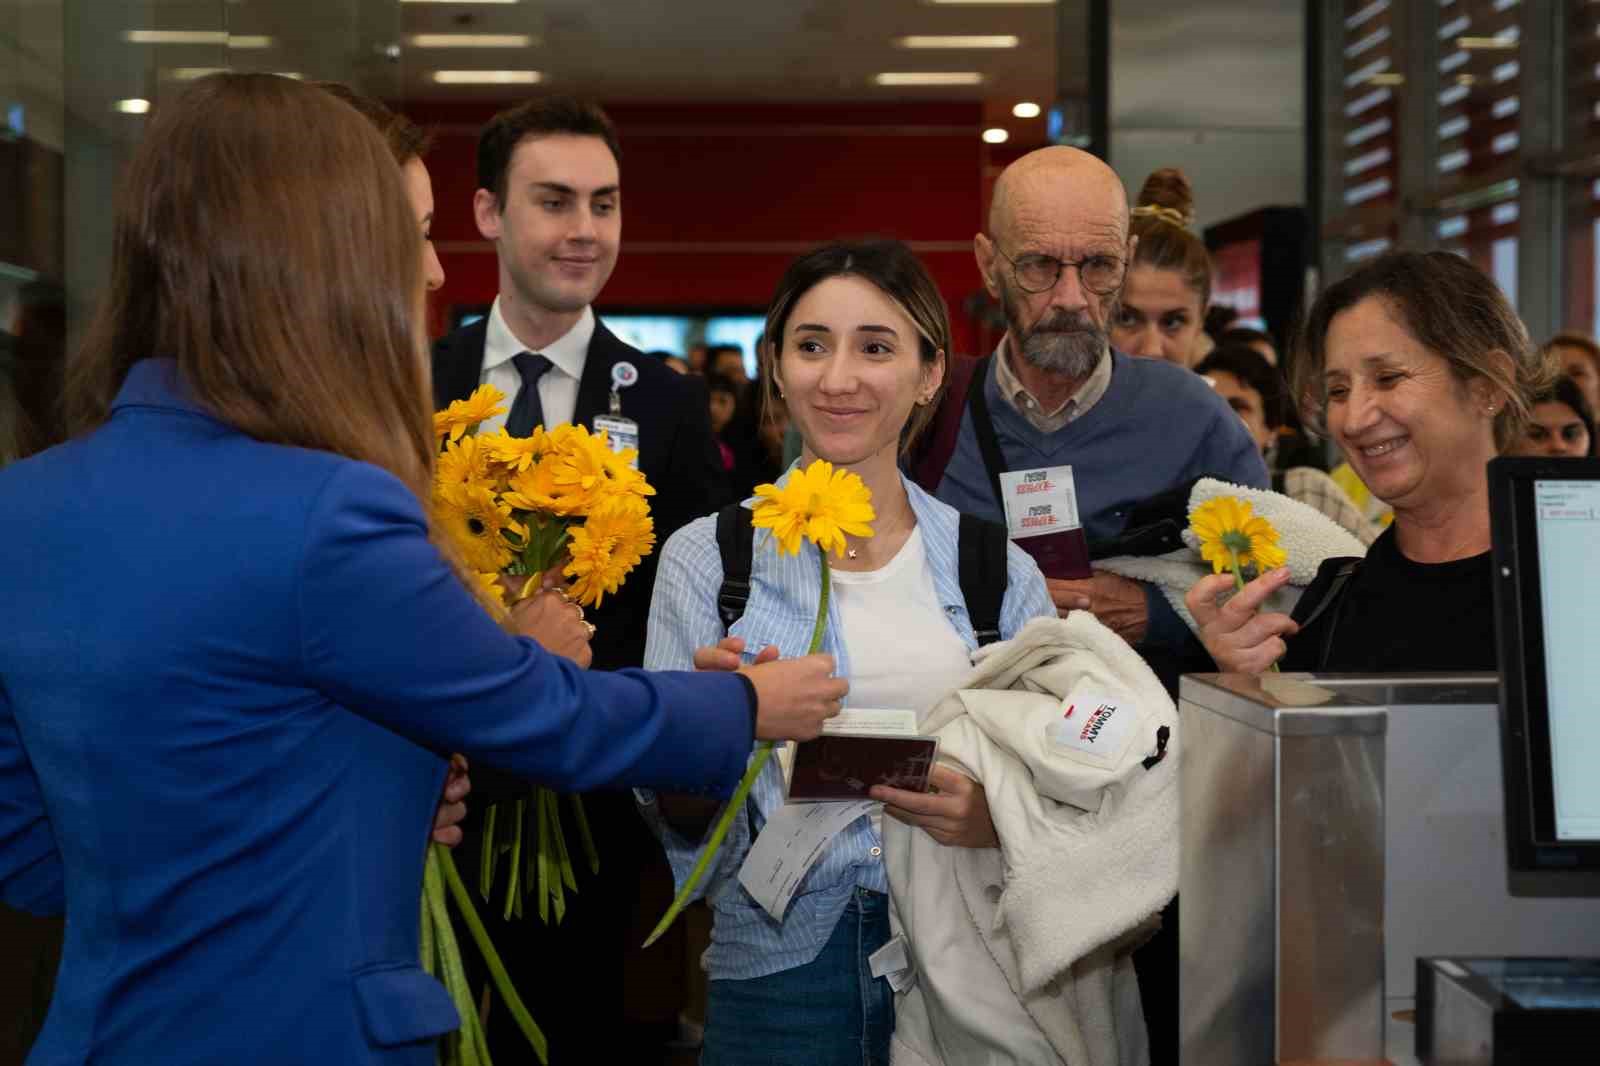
x: 745, y: 941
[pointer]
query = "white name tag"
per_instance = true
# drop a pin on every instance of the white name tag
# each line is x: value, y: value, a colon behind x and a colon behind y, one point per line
x: 1039, y: 501
x: 1095, y: 725
x: 622, y: 433
x: 791, y: 842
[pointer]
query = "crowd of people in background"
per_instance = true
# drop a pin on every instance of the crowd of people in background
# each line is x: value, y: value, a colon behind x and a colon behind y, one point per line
x: 1114, y: 361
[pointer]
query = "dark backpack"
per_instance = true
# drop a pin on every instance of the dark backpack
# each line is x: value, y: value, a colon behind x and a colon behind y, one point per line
x: 981, y: 552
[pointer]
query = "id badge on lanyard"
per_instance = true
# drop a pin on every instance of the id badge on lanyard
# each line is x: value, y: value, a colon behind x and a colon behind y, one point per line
x: 621, y: 432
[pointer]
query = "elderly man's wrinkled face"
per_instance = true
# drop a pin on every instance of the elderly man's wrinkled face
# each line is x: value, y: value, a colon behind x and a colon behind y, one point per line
x: 1065, y: 327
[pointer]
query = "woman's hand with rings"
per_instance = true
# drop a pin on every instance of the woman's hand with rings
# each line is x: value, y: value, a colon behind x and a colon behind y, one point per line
x: 550, y: 617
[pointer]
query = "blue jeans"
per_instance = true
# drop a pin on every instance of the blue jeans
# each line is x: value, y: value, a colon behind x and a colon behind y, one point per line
x: 829, y: 1012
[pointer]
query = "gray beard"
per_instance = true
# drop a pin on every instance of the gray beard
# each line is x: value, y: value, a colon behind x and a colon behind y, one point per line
x: 1073, y: 353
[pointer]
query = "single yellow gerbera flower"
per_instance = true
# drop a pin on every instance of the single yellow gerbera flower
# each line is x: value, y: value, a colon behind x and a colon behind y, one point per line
x: 463, y: 462
x: 514, y: 454
x: 607, y: 546
x: 485, y: 402
x: 1233, y: 537
x: 476, y: 522
x: 819, y: 504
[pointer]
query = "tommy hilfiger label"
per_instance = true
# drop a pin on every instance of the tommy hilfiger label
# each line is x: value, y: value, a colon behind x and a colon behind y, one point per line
x: 1095, y: 725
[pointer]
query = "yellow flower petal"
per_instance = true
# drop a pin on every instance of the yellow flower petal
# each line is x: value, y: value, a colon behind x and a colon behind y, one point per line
x: 1230, y: 532
x: 819, y: 504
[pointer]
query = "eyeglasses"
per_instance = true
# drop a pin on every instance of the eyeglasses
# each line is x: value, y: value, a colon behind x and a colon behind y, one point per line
x: 1100, y: 274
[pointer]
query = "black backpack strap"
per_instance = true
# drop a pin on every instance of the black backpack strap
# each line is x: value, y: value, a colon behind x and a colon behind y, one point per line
x: 981, y: 552
x: 735, y: 540
x: 983, y: 427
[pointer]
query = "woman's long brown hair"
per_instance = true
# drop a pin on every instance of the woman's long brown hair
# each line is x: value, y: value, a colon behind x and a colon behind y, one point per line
x: 263, y: 240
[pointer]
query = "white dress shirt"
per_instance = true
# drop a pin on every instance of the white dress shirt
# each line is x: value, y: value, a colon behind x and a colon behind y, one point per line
x: 1027, y: 404
x: 558, y: 388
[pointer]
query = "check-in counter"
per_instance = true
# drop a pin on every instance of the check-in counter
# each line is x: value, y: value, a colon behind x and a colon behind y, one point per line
x: 1335, y: 829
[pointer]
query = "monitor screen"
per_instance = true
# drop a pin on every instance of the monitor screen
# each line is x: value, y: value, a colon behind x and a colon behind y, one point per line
x: 1545, y: 517
x: 1567, y: 524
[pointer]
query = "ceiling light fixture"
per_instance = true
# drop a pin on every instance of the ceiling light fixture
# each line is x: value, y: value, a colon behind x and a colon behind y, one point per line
x: 1486, y: 44
x: 487, y: 77
x: 132, y: 106
x: 1026, y: 109
x: 956, y: 40
x: 473, y: 40
x: 212, y: 37
x: 946, y: 77
x: 996, y: 136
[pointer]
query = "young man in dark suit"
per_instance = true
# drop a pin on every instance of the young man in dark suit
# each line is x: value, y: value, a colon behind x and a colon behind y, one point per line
x: 549, y: 196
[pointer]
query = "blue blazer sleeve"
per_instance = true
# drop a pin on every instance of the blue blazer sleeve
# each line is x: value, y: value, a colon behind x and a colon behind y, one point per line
x: 388, y: 631
x: 31, y: 877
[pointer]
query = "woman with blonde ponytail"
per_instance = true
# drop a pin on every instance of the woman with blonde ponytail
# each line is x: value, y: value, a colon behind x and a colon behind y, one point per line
x: 1168, y: 287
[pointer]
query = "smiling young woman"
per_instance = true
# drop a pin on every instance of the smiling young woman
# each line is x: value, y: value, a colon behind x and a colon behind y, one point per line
x: 857, y: 336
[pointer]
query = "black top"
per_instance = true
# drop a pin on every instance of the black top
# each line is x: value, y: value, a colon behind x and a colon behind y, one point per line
x: 1397, y: 616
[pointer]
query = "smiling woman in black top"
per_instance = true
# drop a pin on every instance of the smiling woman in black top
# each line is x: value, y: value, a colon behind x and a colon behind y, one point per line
x: 1421, y: 372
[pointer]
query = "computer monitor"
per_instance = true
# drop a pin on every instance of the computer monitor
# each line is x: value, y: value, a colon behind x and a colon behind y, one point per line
x: 1545, y: 516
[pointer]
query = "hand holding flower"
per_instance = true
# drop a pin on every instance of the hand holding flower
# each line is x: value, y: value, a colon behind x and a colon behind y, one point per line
x: 795, y: 696
x: 1237, y: 635
x: 1233, y: 538
x: 556, y: 623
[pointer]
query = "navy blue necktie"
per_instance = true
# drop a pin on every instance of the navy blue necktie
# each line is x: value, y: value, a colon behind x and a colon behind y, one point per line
x: 526, y: 411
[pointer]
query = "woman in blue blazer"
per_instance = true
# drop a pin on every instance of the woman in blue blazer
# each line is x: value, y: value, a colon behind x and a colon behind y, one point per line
x: 232, y: 658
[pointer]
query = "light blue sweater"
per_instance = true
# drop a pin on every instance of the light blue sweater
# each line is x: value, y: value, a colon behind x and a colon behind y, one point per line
x: 1157, y: 426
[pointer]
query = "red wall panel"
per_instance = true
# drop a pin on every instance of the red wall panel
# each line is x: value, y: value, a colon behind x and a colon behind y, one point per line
x: 718, y: 198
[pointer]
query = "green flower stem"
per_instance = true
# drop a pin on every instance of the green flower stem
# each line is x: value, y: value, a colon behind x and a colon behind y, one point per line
x: 451, y: 972
x: 735, y: 804
x: 491, y: 958
x: 544, y: 869
x: 516, y: 863
x: 1238, y: 584
x: 489, y: 853
x: 552, y: 846
x: 568, y: 877
x: 585, y: 835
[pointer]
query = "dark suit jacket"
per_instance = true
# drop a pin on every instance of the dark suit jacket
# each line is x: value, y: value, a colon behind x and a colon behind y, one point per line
x: 579, y: 1002
x: 676, y: 454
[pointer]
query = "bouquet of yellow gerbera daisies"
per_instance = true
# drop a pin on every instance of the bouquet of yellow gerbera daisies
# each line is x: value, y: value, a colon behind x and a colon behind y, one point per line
x: 519, y: 506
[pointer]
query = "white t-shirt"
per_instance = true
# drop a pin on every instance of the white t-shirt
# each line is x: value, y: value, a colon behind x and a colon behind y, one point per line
x: 904, y: 653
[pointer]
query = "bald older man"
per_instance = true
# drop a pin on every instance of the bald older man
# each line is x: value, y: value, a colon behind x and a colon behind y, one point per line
x: 1055, y: 395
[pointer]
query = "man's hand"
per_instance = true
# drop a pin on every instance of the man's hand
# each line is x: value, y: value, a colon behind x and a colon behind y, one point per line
x: 724, y: 655
x: 1116, y: 601
x: 795, y: 696
x: 556, y: 623
x: 452, y: 809
x: 956, y: 813
x: 1239, y: 637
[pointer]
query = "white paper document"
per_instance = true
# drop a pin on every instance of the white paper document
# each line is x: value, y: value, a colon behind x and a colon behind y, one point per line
x: 789, y: 845
x: 871, y: 721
